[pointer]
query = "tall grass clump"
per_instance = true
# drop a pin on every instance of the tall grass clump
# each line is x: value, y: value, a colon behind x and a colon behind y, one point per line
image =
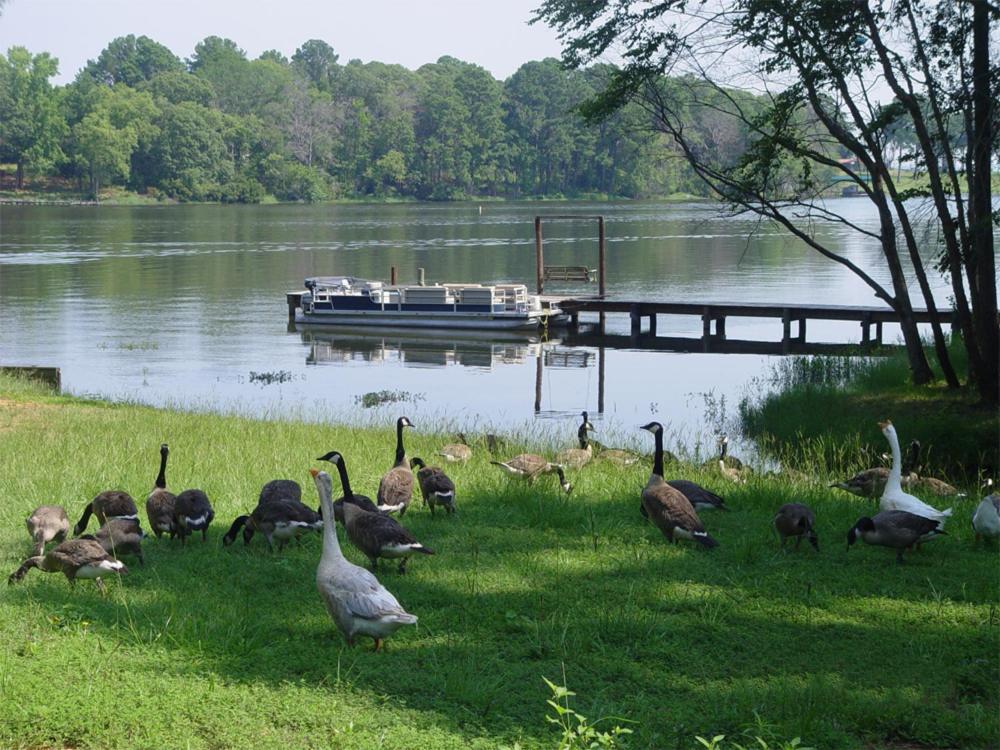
x: 821, y: 413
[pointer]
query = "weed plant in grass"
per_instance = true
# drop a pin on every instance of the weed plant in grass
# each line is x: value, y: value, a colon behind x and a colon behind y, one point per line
x: 212, y: 647
x: 820, y: 414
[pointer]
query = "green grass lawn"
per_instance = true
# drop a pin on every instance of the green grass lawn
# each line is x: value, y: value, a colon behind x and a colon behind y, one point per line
x: 206, y: 647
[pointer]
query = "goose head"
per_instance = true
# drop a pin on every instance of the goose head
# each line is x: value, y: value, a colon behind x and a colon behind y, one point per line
x: 586, y: 423
x: 403, y: 422
x: 887, y: 429
x: 653, y: 427
x: 566, y: 486
x: 324, y: 484
x: 164, y: 449
x: 417, y: 463
x: 862, y: 526
x: 333, y: 457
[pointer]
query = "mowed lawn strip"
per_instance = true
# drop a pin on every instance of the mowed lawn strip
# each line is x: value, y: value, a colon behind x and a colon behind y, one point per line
x: 212, y: 647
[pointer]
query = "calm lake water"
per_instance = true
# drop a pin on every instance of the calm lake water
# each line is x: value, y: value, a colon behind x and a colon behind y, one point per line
x: 184, y: 305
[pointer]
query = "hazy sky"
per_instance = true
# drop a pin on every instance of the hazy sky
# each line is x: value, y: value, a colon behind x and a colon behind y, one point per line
x: 409, y: 32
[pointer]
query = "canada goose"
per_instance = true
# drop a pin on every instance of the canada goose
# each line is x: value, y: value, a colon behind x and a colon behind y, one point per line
x: 377, y: 535
x: 667, y: 507
x: 893, y: 497
x: 45, y: 524
x: 576, y: 458
x: 121, y: 536
x: 867, y: 483
x: 986, y: 519
x: 933, y: 486
x: 74, y: 558
x: 897, y: 529
x: 455, y: 452
x: 362, y: 501
x: 530, y: 465
x: 192, y: 512
x: 436, y: 487
x: 796, y: 519
x: 281, y: 489
x: 109, y: 504
x: 356, y: 601
x: 729, y: 466
x: 619, y: 457
x: 396, y: 487
x: 699, y: 497
x: 160, y: 502
x: 280, y: 519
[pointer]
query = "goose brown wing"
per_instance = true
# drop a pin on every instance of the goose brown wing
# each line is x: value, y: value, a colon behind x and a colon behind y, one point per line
x: 669, y: 509
x: 287, y: 510
x: 529, y: 463
x: 432, y: 479
x: 377, y: 531
x: 114, y: 503
x: 696, y: 494
x: 396, y: 486
x: 75, y: 553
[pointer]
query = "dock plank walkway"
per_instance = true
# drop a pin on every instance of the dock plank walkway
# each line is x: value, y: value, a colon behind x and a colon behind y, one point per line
x: 714, y: 315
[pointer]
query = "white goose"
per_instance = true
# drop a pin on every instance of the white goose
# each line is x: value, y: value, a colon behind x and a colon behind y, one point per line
x: 357, y: 602
x: 893, y: 497
x: 986, y: 519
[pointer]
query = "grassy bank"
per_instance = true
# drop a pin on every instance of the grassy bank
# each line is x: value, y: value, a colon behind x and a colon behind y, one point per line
x: 821, y: 413
x: 206, y: 647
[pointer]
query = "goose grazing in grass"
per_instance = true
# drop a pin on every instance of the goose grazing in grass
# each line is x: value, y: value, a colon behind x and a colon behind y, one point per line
x: 912, y: 479
x: 356, y: 601
x: 576, y: 458
x: 798, y: 520
x: 45, y: 524
x: 457, y: 452
x: 667, y: 507
x: 867, y: 483
x: 435, y: 486
x: 362, y: 501
x: 160, y: 502
x: 529, y: 466
x: 74, y: 558
x: 192, y: 512
x: 396, y: 487
x: 897, y: 529
x: 986, y: 519
x: 109, y: 504
x: 280, y: 489
x: 121, y: 536
x: 893, y: 497
x: 280, y: 519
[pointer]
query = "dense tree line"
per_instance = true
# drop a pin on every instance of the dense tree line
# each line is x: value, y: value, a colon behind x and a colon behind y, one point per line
x: 220, y: 126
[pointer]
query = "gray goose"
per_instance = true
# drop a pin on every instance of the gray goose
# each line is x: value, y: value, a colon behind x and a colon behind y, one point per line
x: 276, y: 519
x: 160, y: 502
x: 986, y: 517
x: 45, y: 524
x: 576, y: 458
x: 457, y: 452
x: 797, y: 520
x: 530, y: 466
x: 108, y: 504
x: 699, y: 497
x: 121, y: 536
x: 667, y: 507
x: 362, y: 501
x: 396, y: 487
x: 356, y: 601
x: 897, y: 529
x: 192, y: 512
x: 867, y: 483
x: 74, y: 558
x: 435, y: 486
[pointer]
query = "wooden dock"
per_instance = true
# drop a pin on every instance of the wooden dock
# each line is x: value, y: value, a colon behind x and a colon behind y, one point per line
x: 714, y: 314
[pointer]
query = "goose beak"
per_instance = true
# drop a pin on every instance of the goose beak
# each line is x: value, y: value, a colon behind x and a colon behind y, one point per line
x: 314, y: 473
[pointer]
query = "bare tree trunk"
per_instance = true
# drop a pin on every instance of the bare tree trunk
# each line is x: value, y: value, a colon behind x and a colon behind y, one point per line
x: 983, y: 282
x: 20, y: 175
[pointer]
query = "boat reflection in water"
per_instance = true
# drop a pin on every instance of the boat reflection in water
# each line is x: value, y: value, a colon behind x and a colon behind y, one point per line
x: 483, y: 350
x: 421, y: 348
